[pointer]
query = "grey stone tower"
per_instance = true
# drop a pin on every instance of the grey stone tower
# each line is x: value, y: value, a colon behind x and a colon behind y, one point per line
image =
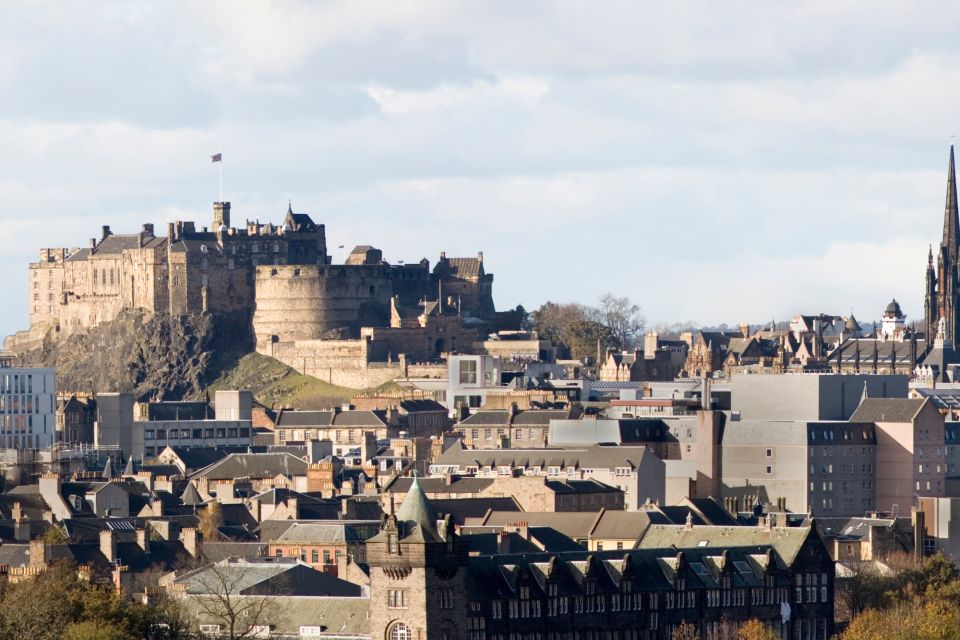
x: 418, y: 568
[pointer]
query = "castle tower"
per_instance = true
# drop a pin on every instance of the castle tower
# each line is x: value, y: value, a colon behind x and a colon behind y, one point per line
x: 221, y: 215
x: 417, y: 575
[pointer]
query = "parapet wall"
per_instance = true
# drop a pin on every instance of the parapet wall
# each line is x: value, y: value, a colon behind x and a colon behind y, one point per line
x: 340, y: 362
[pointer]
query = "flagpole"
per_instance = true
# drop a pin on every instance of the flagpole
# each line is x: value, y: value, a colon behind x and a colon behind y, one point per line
x: 220, y: 167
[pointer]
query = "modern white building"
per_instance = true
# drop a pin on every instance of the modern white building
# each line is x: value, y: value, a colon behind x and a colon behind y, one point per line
x: 28, y: 403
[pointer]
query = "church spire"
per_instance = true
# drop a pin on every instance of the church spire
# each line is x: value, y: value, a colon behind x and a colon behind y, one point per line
x: 950, y: 215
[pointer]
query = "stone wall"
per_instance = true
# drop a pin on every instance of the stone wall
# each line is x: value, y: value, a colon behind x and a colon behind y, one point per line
x: 306, y: 302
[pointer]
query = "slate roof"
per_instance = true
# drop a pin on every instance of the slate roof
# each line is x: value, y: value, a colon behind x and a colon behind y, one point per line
x: 487, y: 418
x: 712, y: 511
x: 787, y: 540
x: 589, y: 485
x: 195, y: 458
x: 195, y: 242
x: 190, y: 496
x: 941, y: 398
x: 304, y: 418
x: 14, y: 555
x: 465, y: 267
x: 78, y: 255
x: 846, y: 352
x: 31, y: 502
x: 887, y: 410
x: 540, y: 539
x: 253, y: 465
x: 118, y: 243
x: 360, y: 418
x: 266, y: 576
x: 650, y: 569
x: 621, y: 524
x: 457, y: 484
x: 541, y: 417
x: 576, y: 525
x: 328, y: 532
x: 414, y: 406
x: 459, y: 509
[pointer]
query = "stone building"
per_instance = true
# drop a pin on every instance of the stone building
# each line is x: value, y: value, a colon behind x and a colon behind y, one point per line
x: 637, y: 471
x: 495, y: 429
x: 423, y: 583
x: 75, y: 418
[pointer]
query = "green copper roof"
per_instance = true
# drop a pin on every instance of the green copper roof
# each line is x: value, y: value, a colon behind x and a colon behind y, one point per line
x: 417, y: 515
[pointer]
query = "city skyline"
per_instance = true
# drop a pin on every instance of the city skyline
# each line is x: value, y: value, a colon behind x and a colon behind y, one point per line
x: 812, y: 169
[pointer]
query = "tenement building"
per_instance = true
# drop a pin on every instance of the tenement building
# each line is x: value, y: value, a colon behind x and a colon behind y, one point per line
x: 424, y: 583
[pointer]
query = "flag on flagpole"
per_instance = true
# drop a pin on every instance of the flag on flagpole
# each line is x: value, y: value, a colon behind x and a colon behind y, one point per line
x: 217, y: 157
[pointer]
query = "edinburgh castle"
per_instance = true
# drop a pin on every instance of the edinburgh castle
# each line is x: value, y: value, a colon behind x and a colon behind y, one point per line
x: 357, y: 324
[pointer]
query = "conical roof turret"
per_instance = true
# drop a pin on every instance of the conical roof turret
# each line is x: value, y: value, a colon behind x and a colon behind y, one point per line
x: 417, y: 516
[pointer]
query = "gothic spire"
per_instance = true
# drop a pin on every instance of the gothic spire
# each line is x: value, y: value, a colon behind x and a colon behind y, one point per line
x: 950, y: 215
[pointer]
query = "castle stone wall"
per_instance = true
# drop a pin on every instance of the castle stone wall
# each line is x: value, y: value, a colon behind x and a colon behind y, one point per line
x: 306, y: 302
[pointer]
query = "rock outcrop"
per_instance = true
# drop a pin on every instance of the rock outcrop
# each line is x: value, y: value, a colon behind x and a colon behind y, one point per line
x: 151, y: 355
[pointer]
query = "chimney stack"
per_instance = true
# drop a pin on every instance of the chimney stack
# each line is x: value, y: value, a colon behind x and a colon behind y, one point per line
x: 108, y: 545
x: 106, y: 231
x: 143, y: 539
x: 191, y: 542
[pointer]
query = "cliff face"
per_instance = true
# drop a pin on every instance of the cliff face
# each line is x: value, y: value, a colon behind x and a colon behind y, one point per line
x: 150, y: 355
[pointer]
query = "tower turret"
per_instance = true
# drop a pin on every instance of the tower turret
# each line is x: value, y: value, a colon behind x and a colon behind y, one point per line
x: 418, y: 568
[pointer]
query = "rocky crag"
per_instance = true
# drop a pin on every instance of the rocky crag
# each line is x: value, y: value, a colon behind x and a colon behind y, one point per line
x: 151, y: 355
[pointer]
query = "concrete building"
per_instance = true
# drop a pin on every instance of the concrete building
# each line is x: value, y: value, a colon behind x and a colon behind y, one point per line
x: 28, y: 403
x: 911, y: 451
x: 809, y: 396
x: 822, y: 468
x: 115, y: 426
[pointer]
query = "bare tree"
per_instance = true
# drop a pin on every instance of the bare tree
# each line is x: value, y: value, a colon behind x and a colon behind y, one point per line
x: 622, y: 317
x: 222, y: 602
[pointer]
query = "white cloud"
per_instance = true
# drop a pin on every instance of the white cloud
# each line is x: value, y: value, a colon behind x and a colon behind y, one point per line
x: 633, y: 147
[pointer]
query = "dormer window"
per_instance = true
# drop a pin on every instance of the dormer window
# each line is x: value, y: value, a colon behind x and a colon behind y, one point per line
x: 392, y: 545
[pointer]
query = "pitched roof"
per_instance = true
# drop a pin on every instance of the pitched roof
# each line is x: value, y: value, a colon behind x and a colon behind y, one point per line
x: 288, y: 418
x: 465, y: 267
x: 254, y: 465
x: 359, y: 418
x: 887, y: 410
x: 787, y: 540
x: 194, y: 458
x: 190, y: 496
x: 264, y: 576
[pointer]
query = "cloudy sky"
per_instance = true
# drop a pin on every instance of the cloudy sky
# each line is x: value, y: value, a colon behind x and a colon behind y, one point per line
x: 716, y: 162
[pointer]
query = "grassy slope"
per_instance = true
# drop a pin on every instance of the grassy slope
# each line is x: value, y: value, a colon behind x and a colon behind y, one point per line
x: 275, y: 384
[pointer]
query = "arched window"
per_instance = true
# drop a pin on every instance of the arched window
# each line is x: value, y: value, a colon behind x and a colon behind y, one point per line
x: 399, y: 631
